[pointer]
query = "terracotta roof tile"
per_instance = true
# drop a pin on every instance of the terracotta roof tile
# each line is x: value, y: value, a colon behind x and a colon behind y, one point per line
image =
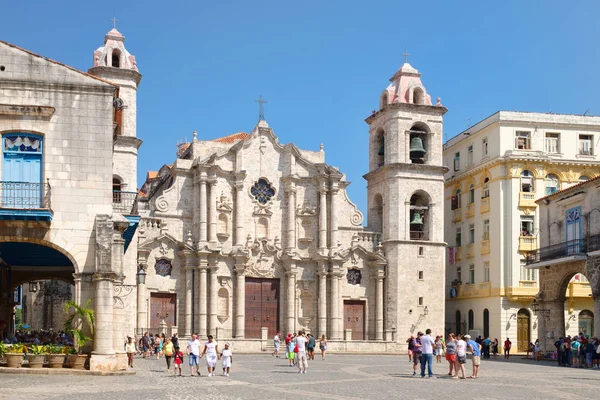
x: 233, y: 138
x: 152, y: 174
x: 58, y: 63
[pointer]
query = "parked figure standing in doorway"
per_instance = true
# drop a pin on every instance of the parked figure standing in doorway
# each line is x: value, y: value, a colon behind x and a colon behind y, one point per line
x: 507, y: 346
x: 323, y: 346
x: 211, y: 349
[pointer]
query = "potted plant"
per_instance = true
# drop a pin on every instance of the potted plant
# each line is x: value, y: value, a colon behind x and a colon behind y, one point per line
x: 14, y: 355
x: 36, y: 355
x: 77, y: 316
x: 56, y: 356
x: 2, y: 349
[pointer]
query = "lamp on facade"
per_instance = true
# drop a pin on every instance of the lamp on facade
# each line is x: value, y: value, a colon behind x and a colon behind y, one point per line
x: 33, y: 286
x: 141, y: 276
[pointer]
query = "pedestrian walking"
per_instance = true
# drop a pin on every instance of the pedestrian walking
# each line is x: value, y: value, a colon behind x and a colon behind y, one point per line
x: 211, y: 349
x: 227, y: 359
x: 168, y: 351
x: 145, y: 345
x: 451, y: 352
x: 507, y: 346
x: 291, y: 346
x: 461, y: 357
x: 410, y: 347
x: 175, y: 340
x: 157, y: 346
x: 439, y: 348
x: 417, y: 352
x: 178, y: 360
x: 323, y: 346
x: 193, y: 351
x: 130, y: 350
x: 486, y: 347
x: 276, y: 344
x: 427, y: 347
x: 301, y: 360
x: 495, y: 344
x: 475, y: 355
x: 310, y: 349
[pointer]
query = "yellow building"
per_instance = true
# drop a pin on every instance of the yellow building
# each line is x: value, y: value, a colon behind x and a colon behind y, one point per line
x: 498, y: 168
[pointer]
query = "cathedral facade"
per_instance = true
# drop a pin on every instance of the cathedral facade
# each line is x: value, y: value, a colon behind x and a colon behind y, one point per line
x: 242, y: 236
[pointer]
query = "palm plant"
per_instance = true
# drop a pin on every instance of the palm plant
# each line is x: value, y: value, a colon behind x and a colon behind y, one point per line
x: 77, y: 315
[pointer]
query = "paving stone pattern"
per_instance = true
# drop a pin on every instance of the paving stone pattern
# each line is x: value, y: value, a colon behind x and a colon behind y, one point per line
x: 338, y: 377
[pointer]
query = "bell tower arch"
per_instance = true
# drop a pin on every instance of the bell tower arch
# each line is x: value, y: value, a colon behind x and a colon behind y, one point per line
x: 406, y: 181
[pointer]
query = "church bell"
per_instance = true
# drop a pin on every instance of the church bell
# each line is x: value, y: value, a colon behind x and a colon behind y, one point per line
x: 416, y: 219
x: 417, y: 150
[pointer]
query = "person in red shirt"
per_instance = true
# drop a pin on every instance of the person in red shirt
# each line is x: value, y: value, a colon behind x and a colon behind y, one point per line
x: 178, y: 357
x: 288, y: 338
x: 507, y: 346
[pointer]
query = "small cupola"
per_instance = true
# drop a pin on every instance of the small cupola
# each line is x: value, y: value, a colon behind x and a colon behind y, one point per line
x: 406, y: 87
x: 114, y: 54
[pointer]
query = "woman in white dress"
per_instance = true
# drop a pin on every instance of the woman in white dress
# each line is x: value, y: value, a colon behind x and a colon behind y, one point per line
x: 211, y: 349
x: 226, y: 359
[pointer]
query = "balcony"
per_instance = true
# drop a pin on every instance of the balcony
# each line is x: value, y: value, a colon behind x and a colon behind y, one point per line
x: 25, y: 201
x: 526, y: 291
x: 125, y: 202
x: 470, y: 210
x: 485, y: 247
x: 458, y: 255
x: 527, y: 243
x: 579, y: 289
x: 457, y: 215
x: 527, y: 199
x: 470, y: 253
x: 571, y: 248
x: 485, y: 205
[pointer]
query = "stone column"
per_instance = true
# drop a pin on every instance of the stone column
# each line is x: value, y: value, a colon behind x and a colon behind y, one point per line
x: 142, y: 312
x: 103, y: 311
x: 323, y: 217
x: 189, y: 281
x: 596, y: 312
x: 379, y: 307
x: 212, y: 305
x: 239, y: 222
x: 203, y: 208
x: 291, y: 299
x: 333, y: 244
x: 240, y: 301
x: 202, y: 286
x: 322, y: 308
x: 212, y: 214
x: 336, y: 319
x: 291, y: 216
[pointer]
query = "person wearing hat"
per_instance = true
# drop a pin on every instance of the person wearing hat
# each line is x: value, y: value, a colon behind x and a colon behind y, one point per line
x: 226, y: 359
x: 417, y: 349
x: 476, y: 355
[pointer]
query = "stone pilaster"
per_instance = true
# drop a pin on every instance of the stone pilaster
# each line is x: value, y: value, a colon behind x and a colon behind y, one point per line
x: 336, y: 317
x: 213, y: 291
x: 203, y: 208
x: 322, y: 307
x: 189, y: 282
x: 379, y: 306
x: 240, y: 301
x: 212, y: 214
x: 333, y: 220
x: 202, y: 296
x: 239, y: 221
x: 291, y: 298
x: 291, y: 215
x: 322, y: 217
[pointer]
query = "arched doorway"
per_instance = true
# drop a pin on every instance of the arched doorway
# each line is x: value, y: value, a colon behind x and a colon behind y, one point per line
x: 29, y: 270
x: 486, y: 323
x: 457, y: 322
x: 586, y: 323
x: 523, y: 329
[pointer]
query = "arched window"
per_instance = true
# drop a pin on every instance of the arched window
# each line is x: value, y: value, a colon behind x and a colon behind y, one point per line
x: 527, y: 181
x: 583, y: 178
x: 586, y: 323
x: 418, y: 96
x: 486, y: 323
x: 419, y: 141
x: 419, y: 217
x: 116, y: 58
x: 471, y: 194
x: 486, y: 188
x: 457, y: 318
x: 552, y: 184
x: 456, y: 200
x: 384, y: 100
x: 380, y: 146
x: 471, y: 320
x: 117, y: 189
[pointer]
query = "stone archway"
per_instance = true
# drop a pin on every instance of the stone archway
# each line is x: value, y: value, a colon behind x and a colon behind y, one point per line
x: 554, y: 280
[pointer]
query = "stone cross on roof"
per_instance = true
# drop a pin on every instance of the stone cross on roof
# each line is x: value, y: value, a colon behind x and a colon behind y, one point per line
x: 114, y: 21
x: 261, y: 111
x: 405, y: 54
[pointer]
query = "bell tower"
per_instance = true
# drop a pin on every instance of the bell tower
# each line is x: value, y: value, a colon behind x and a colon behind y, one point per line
x: 114, y: 63
x: 405, y: 202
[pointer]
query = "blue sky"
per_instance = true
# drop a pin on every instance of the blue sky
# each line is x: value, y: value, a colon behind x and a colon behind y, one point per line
x: 322, y: 64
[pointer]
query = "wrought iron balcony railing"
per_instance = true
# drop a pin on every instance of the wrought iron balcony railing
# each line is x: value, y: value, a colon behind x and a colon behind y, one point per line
x: 25, y: 195
x: 125, y: 202
x: 556, y: 251
x: 593, y: 243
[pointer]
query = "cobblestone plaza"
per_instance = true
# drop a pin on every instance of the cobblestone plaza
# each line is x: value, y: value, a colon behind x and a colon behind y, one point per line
x: 339, y: 377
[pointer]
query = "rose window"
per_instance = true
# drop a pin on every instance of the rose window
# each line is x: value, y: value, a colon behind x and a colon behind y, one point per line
x: 262, y: 191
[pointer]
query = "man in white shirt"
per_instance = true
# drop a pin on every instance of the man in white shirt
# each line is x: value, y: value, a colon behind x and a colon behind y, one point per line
x: 193, y: 350
x: 301, y: 360
x: 427, y: 346
x: 276, y: 344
